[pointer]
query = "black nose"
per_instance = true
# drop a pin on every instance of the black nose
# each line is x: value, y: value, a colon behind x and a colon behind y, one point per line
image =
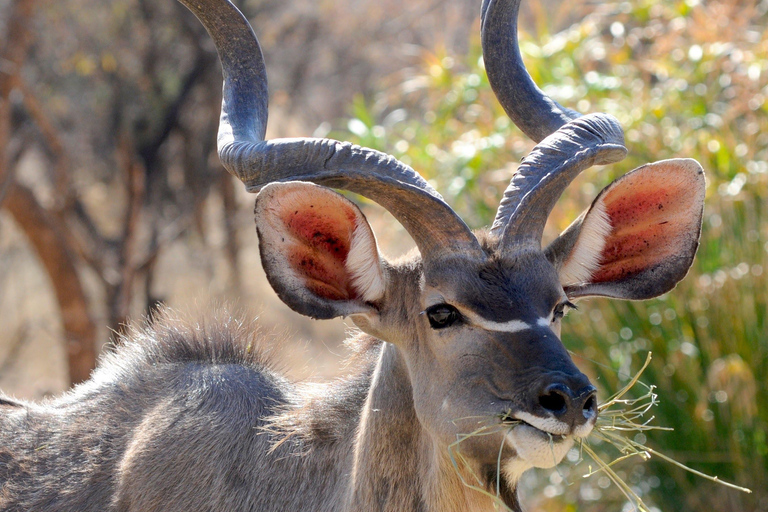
x: 574, y: 408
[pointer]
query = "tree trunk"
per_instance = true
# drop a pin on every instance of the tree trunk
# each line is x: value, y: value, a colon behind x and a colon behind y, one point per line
x: 44, y: 232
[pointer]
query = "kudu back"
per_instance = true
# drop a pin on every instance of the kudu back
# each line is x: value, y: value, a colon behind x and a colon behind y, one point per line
x: 461, y: 338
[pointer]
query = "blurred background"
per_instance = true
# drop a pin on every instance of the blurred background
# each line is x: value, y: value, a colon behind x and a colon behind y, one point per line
x: 112, y: 200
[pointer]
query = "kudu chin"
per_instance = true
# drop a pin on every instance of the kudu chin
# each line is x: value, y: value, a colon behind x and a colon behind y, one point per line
x: 463, y: 338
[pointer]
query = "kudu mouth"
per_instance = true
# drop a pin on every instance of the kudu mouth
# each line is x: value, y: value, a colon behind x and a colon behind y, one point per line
x: 561, y: 416
x: 574, y: 422
x: 544, y: 440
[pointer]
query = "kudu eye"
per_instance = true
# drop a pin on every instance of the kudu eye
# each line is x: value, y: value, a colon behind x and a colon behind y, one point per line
x: 442, y: 315
x: 559, y: 311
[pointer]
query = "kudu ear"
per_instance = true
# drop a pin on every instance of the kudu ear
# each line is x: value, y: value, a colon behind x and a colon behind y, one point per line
x: 638, y: 238
x: 318, y: 250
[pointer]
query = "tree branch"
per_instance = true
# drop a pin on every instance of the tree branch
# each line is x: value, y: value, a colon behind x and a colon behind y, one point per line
x: 44, y: 232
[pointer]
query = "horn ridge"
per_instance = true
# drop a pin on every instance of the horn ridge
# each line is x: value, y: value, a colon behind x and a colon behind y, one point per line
x: 434, y: 226
x: 568, y: 142
x: 244, y: 109
x: 535, y: 113
x: 245, y: 153
x: 543, y: 175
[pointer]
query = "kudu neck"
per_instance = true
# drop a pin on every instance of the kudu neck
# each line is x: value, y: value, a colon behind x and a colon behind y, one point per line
x: 398, y: 465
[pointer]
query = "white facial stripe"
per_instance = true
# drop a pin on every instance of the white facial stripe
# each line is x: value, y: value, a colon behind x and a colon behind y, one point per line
x: 584, y: 430
x: 555, y: 426
x: 551, y: 425
x: 510, y: 326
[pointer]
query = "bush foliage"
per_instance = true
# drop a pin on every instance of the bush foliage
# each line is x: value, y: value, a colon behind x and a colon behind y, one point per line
x: 686, y: 79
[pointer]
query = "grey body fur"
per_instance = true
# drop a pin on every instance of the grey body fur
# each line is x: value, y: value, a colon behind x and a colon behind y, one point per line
x: 184, y: 416
x: 177, y: 409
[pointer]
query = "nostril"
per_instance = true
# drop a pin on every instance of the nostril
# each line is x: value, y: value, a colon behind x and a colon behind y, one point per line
x: 554, y: 401
x: 590, y: 407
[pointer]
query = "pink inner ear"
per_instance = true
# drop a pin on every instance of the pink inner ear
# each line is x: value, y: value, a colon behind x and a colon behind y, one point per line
x: 321, y: 231
x: 651, y: 213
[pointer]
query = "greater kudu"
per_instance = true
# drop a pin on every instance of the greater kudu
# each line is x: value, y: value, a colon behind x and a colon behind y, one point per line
x: 190, y: 416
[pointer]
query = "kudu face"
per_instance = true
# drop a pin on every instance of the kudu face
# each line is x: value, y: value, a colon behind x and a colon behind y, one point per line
x: 479, y: 334
x: 486, y: 347
x: 476, y: 319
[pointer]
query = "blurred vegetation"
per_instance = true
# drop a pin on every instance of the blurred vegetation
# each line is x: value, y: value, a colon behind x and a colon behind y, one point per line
x: 686, y: 79
x: 108, y: 115
x: 113, y: 106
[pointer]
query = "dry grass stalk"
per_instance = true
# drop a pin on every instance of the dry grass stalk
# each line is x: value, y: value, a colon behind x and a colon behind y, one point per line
x: 619, y: 417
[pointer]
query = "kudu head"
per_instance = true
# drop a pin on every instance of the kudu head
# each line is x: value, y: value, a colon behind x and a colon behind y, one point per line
x: 475, y: 318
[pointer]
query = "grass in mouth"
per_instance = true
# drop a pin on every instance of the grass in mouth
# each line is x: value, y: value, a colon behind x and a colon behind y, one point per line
x: 619, y: 418
x: 475, y: 482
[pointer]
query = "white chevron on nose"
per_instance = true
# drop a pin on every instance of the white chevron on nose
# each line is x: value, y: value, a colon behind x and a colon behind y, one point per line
x: 510, y: 326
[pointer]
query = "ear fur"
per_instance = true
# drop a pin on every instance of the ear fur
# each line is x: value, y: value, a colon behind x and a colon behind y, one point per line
x: 638, y: 238
x: 318, y: 251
